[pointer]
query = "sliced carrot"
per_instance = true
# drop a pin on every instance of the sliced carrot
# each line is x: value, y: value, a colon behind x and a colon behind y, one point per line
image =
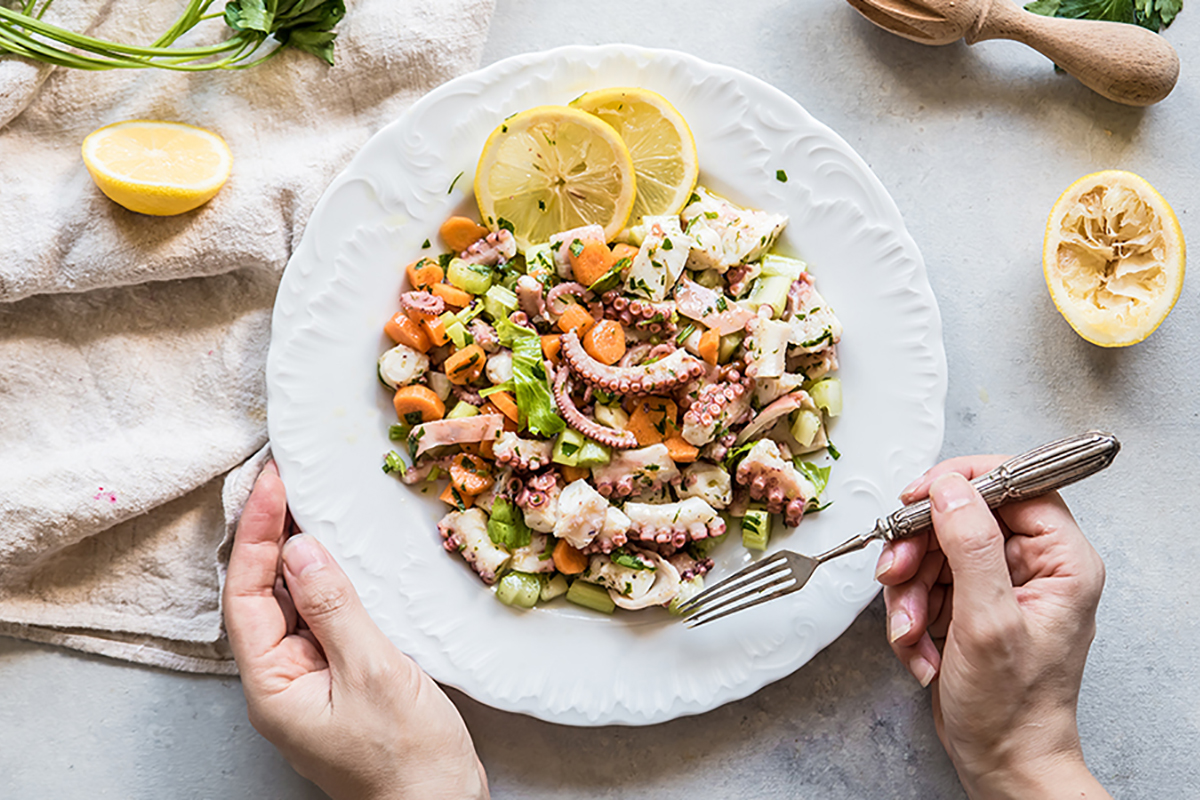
x: 435, y: 330
x: 567, y: 559
x: 710, y: 345
x: 681, y: 450
x: 465, y: 365
x: 470, y: 474
x: 402, y: 330
x: 624, y: 251
x: 453, y: 295
x: 490, y: 408
x: 453, y: 497
x: 551, y: 345
x: 417, y: 399
x: 487, y: 449
x: 605, y: 342
x: 652, y: 420
x: 577, y: 319
x: 459, y: 233
x: 593, y: 261
x: 505, y: 402
x: 572, y: 474
x: 423, y: 273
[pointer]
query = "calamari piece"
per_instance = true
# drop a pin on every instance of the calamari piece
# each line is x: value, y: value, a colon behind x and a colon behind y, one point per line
x: 523, y: 455
x: 768, y: 390
x: 480, y: 428
x: 726, y: 234
x: 402, y: 365
x: 771, y: 479
x: 465, y: 532
x: 673, y: 524
x: 626, y: 581
x: 631, y: 471
x: 660, y: 377
x: 710, y: 307
x: 533, y: 556
x: 659, y: 261
x: 766, y: 347
x: 662, y: 591
x: 709, y: 482
x: 582, y: 514
x: 560, y: 245
x: 778, y: 409
x: 813, y: 323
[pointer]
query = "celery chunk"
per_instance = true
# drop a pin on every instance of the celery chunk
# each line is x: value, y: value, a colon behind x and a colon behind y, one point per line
x: 730, y: 342
x: 553, y: 588
x: 687, y: 590
x: 805, y: 426
x: 771, y: 291
x: 520, y: 589
x: 593, y: 454
x: 499, y: 302
x: 589, y: 595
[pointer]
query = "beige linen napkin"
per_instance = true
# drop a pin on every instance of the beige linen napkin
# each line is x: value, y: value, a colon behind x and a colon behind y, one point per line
x: 132, y: 348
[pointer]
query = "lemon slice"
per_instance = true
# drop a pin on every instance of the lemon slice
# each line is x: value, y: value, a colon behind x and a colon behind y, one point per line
x: 159, y: 168
x: 659, y: 141
x: 553, y: 168
x: 1113, y: 257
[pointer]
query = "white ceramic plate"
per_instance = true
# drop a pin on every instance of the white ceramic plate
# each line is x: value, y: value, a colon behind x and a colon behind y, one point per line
x: 328, y: 417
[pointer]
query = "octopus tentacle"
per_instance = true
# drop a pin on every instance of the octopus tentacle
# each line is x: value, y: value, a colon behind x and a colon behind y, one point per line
x: 485, y: 335
x: 495, y: 248
x: 657, y: 378
x: 422, y: 303
x: 714, y: 410
x: 641, y: 314
x: 554, y: 302
x: 529, y: 297
x: 775, y: 481
x: 467, y: 395
x: 621, y: 440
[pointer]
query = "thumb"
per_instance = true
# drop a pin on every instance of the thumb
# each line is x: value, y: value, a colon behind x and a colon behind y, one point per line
x: 973, y: 544
x: 327, y: 601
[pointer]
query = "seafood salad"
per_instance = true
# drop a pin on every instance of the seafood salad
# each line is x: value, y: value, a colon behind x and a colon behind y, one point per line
x: 605, y: 409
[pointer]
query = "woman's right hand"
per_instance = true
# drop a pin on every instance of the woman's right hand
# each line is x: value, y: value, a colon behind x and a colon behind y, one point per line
x: 997, y: 614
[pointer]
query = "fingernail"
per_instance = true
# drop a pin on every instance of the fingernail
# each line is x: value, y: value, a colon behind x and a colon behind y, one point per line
x: 912, y: 487
x: 922, y: 670
x: 950, y: 492
x: 886, y: 558
x: 302, y: 552
x: 899, y: 623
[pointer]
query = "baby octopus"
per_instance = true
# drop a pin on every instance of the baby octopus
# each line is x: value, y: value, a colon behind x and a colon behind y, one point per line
x: 641, y: 314
x: 715, y: 410
x: 659, y: 377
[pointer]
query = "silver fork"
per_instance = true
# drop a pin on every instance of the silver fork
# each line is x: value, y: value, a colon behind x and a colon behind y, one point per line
x: 1022, y: 477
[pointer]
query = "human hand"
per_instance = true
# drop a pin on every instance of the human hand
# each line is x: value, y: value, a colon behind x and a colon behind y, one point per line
x: 1001, y: 613
x: 323, y: 684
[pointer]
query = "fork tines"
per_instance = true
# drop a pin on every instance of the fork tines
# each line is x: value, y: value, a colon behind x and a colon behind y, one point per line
x: 772, y: 573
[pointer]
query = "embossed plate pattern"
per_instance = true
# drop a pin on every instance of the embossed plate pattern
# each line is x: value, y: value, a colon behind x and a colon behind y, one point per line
x: 328, y: 417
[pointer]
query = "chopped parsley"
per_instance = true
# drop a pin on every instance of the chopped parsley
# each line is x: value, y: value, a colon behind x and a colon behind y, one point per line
x: 685, y: 333
x: 576, y: 248
x: 426, y: 245
x: 667, y: 245
x: 504, y: 224
x: 628, y: 560
x: 781, y: 176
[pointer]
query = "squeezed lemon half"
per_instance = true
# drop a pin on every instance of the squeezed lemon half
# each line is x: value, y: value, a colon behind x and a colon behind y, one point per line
x: 660, y: 143
x: 159, y: 168
x: 1113, y: 257
x: 553, y: 168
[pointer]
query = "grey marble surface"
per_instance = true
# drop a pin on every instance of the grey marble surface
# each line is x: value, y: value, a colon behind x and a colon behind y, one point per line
x: 974, y: 144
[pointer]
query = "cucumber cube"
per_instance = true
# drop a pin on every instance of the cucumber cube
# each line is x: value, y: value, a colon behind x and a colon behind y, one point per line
x: 461, y: 410
x: 827, y: 394
x: 593, y: 454
x: 567, y: 447
x: 520, y: 589
x: 756, y: 529
x: 782, y: 266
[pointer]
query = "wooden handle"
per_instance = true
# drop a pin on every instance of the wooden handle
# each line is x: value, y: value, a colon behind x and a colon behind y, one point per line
x: 1125, y: 63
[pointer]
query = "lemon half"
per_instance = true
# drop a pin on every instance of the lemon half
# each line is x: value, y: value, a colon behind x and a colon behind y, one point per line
x: 660, y: 143
x: 553, y: 168
x: 159, y: 168
x: 1113, y: 257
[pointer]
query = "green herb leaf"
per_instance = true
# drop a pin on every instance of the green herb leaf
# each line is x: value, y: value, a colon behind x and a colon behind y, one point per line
x: 819, y: 476
x: 504, y: 224
x: 781, y: 176
x: 629, y: 560
x: 576, y: 248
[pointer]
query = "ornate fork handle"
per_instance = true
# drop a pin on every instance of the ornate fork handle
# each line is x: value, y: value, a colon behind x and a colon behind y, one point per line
x: 1041, y: 470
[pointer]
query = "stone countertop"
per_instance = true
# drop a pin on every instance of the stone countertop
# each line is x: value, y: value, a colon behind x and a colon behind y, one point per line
x: 974, y: 143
